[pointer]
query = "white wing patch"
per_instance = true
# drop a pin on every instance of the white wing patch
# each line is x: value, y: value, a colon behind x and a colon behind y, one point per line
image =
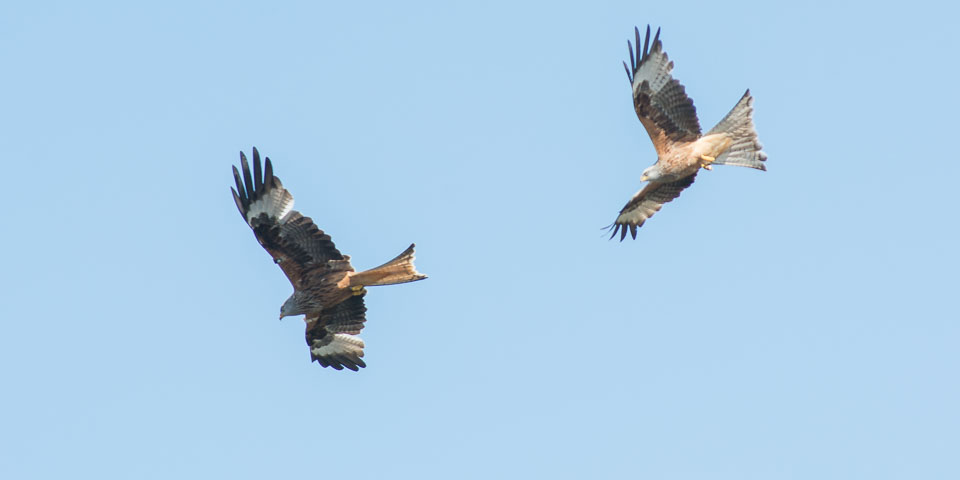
x: 276, y: 203
x: 340, y: 344
x: 655, y: 70
x: 640, y: 212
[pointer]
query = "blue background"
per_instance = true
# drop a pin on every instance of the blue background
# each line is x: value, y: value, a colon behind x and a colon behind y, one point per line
x: 794, y: 324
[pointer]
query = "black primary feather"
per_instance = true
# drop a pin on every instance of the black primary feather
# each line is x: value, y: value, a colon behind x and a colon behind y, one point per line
x: 257, y: 176
x: 247, y: 180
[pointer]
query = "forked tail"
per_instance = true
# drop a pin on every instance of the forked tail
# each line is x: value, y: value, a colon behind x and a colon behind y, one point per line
x: 745, y: 149
x: 398, y: 270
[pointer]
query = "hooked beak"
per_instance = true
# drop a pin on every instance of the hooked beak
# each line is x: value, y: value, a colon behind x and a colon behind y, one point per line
x: 644, y: 178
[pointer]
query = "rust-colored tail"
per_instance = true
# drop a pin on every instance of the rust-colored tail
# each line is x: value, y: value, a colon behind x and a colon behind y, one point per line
x: 398, y: 270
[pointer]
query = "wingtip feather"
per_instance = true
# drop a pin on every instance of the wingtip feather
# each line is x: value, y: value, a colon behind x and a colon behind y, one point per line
x: 239, y: 182
x: 646, y: 43
x: 236, y: 199
x: 257, y: 176
x: 641, y: 56
x: 247, y: 178
x: 268, y: 177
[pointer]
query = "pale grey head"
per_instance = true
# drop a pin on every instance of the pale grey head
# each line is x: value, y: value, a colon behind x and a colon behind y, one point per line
x: 652, y: 173
x: 293, y: 306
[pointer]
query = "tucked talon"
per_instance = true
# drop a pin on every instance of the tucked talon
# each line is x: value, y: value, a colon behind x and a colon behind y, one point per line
x: 707, y: 160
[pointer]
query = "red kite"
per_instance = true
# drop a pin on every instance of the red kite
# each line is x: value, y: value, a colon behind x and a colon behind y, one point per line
x: 669, y: 117
x: 325, y: 287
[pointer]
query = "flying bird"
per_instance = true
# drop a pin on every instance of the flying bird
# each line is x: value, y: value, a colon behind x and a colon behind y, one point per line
x: 669, y: 117
x: 326, y: 289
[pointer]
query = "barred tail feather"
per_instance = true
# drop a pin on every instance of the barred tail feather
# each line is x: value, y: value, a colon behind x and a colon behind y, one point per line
x: 398, y: 270
x: 745, y: 149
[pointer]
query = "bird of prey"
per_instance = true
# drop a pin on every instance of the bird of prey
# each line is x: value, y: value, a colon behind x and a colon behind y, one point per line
x: 326, y: 289
x: 669, y: 117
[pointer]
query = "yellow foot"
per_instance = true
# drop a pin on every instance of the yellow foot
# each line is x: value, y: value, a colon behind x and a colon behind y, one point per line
x: 358, y: 290
x: 706, y: 160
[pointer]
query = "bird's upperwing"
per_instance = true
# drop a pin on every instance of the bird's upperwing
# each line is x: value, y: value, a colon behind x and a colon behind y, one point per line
x: 647, y: 202
x: 661, y: 102
x: 331, y: 335
x: 294, y: 241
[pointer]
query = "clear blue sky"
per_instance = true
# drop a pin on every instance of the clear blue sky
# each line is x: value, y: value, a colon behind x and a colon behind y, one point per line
x: 794, y: 324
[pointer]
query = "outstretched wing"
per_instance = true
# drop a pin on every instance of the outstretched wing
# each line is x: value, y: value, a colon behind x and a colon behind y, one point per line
x: 647, y: 202
x: 661, y: 102
x: 294, y: 241
x: 332, y: 338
